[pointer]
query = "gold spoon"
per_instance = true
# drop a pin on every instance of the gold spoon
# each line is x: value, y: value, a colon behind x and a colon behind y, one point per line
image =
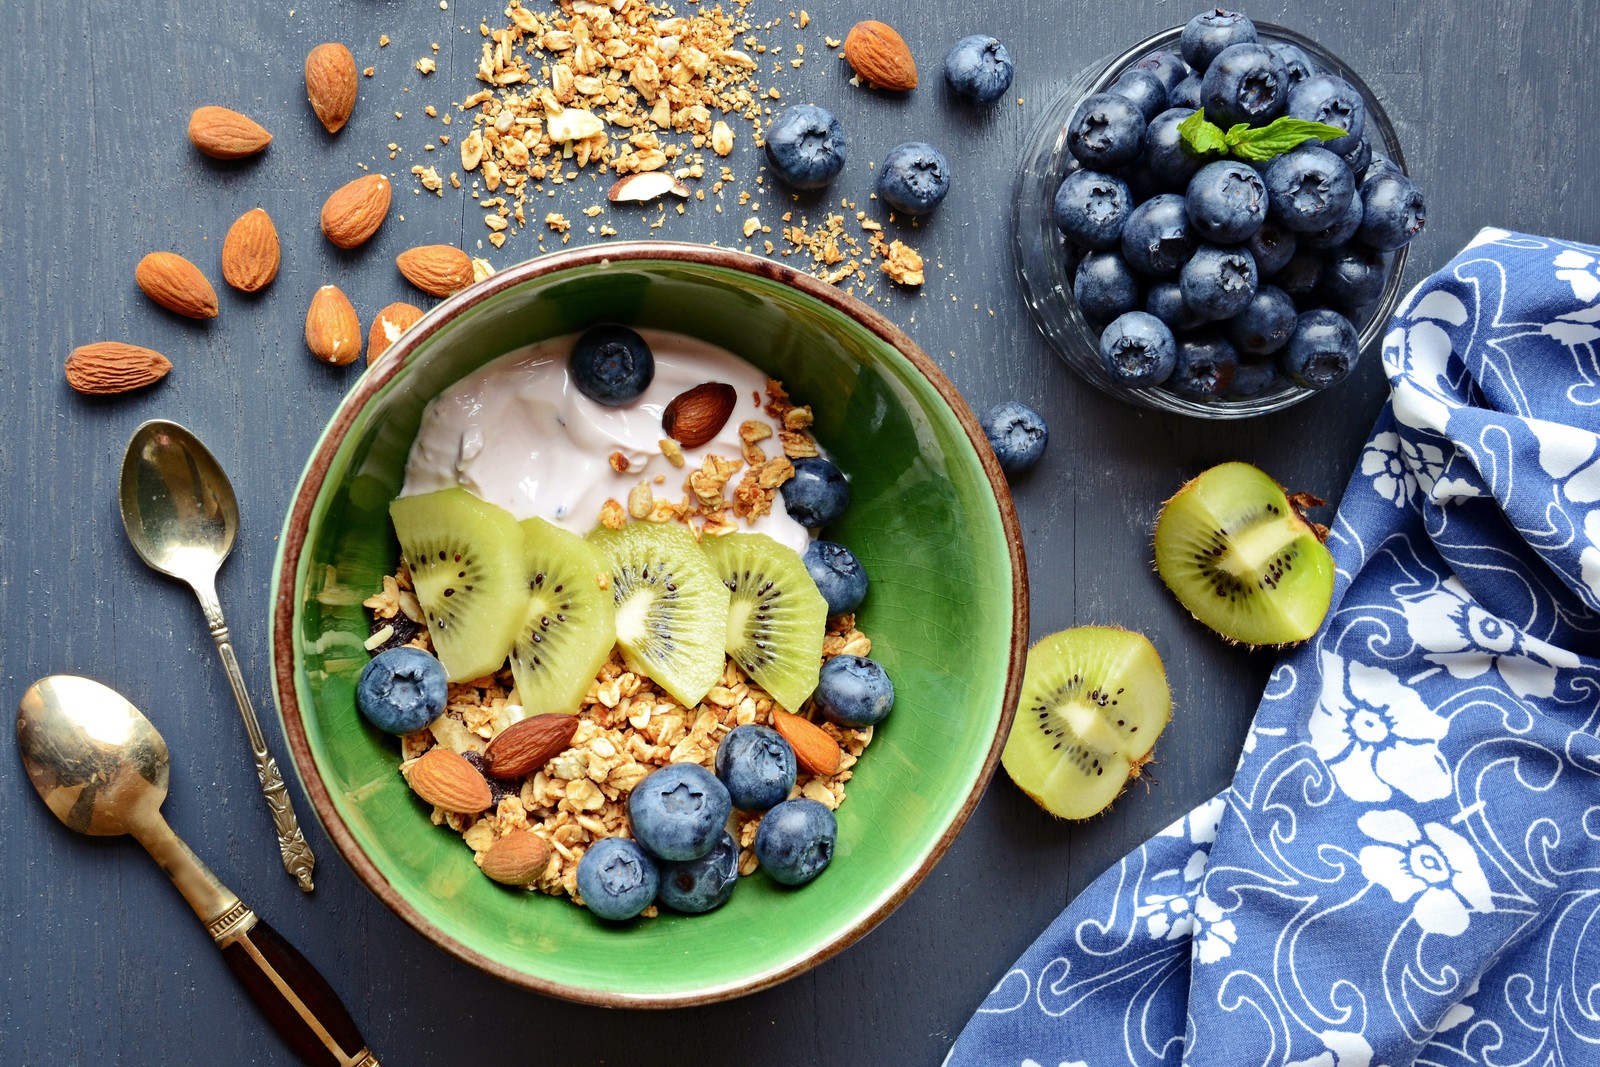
x: 180, y: 513
x: 101, y: 766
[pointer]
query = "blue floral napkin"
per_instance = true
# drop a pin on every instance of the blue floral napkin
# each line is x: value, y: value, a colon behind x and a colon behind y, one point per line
x: 1406, y: 868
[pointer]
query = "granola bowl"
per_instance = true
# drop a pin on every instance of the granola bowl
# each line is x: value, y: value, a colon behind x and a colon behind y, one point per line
x: 930, y: 518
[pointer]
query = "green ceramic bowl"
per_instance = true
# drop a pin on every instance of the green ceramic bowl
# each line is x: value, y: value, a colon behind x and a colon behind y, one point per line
x: 931, y: 519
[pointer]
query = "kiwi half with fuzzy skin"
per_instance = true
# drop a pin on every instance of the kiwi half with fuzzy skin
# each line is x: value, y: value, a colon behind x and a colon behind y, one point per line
x: 569, y: 625
x: 1094, y: 700
x: 671, y: 608
x: 776, y: 615
x: 1239, y: 555
x: 465, y: 558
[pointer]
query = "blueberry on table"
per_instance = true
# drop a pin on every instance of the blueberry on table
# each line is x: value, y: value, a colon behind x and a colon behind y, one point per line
x: 1245, y: 83
x: 1393, y: 211
x: 1165, y: 301
x: 1167, y: 154
x: 1321, y: 351
x: 1106, y: 132
x: 1138, y: 350
x: 1353, y: 277
x: 1308, y: 189
x: 678, y: 811
x: 611, y: 365
x: 1017, y: 433
x: 1219, y: 282
x: 757, y: 766
x: 1329, y: 98
x: 794, y: 843
x: 1205, y: 367
x: 1105, y: 286
x: 914, y: 178
x: 854, y: 691
x: 978, y: 69
x: 617, y: 879
x: 1090, y: 208
x: 840, y: 577
x: 401, y: 690
x: 806, y: 146
x: 1158, y: 238
x: 1272, y: 246
x: 1339, y: 234
x: 1226, y: 202
x: 817, y: 494
x: 701, y: 885
x: 1208, y: 33
x: 1294, y: 60
x: 1144, y: 89
x: 1168, y: 67
x: 1264, y: 326
x: 1186, y: 93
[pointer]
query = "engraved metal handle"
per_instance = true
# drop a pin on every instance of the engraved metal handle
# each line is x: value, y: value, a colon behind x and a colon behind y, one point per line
x: 297, y: 857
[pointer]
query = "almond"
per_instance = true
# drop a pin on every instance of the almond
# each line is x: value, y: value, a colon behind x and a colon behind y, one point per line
x: 331, y: 84
x: 333, y: 332
x: 524, y: 747
x: 518, y: 858
x: 645, y: 185
x: 224, y: 134
x: 107, y: 367
x: 355, y: 211
x: 387, y: 326
x: 439, y: 270
x: 448, y: 781
x: 176, y: 284
x: 250, y: 253
x: 815, y: 750
x: 697, y: 415
x: 880, y: 55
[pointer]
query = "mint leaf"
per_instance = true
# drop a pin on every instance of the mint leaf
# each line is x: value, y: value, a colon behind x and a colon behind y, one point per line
x: 1256, y: 145
x: 1203, y: 138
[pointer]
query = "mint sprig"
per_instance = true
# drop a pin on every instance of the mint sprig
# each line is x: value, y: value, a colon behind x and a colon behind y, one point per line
x: 1252, y: 144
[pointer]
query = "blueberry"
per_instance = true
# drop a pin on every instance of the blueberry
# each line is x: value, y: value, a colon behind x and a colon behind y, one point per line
x: 1168, y: 67
x: 1090, y: 208
x: 401, y: 690
x: 1264, y: 325
x: 1309, y: 189
x: 1105, y: 286
x: 1321, y: 351
x: 978, y: 69
x: 1299, y: 276
x: 1294, y: 60
x: 1017, y: 433
x: 1272, y: 246
x: 1376, y: 169
x: 840, y: 578
x: 1071, y: 256
x: 1157, y: 239
x: 617, y: 879
x: 611, y: 365
x: 806, y: 146
x: 1254, y: 379
x: 1138, y: 350
x: 1106, y: 132
x: 1353, y: 277
x: 817, y: 493
x: 1186, y: 93
x: 701, y: 885
x: 678, y: 811
x: 1205, y: 367
x: 1142, y: 87
x: 1219, y: 282
x: 1141, y: 180
x: 1165, y: 301
x: 854, y: 691
x: 757, y: 766
x: 1167, y: 154
x: 1208, y: 33
x: 1329, y: 98
x: 1339, y: 234
x: 1245, y: 83
x: 1393, y: 211
x: 795, y: 840
x: 1227, y: 202
x: 1358, y: 157
x: 914, y: 177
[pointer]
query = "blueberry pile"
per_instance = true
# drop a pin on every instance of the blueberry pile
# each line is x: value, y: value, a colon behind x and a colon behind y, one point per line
x: 1226, y: 218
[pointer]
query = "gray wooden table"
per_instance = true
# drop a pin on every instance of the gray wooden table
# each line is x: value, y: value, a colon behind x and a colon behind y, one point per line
x: 99, y: 959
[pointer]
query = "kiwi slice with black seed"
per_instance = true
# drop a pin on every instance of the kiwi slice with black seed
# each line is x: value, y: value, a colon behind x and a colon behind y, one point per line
x: 776, y: 615
x: 465, y: 558
x: 1094, y: 700
x: 671, y: 609
x: 1238, y: 554
x: 569, y: 626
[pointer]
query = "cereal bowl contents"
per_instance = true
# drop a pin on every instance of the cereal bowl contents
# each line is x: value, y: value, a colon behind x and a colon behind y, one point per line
x: 928, y: 521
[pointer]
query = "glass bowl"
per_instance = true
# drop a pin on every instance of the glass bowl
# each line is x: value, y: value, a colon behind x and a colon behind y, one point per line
x: 1041, y: 251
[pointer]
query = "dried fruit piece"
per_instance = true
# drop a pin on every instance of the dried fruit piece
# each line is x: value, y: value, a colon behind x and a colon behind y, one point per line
x: 107, y: 367
x: 250, y: 253
x: 222, y: 133
x: 645, y: 185
x: 524, y: 747
x: 439, y: 270
x: 518, y: 858
x: 880, y: 55
x: 333, y: 331
x: 354, y: 211
x: 695, y: 416
x: 814, y: 747
x: 331, y: 84
x: 177, y: 285
x: 446, y: 780
x: 388, y: 325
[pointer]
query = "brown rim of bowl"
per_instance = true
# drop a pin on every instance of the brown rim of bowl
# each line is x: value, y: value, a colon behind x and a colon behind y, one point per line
x: 311, y: 484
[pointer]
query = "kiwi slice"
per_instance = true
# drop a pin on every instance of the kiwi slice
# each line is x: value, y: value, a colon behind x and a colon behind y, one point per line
x: 465, y: 557
x: 671, y: 610
x: 1094, y: 700
x: 1236, y: 552
x: 776, y: 615
x: 570, y: 624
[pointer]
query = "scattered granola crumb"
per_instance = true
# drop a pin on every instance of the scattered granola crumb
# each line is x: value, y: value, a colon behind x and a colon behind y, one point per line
x: 902, y: 264
x: 426, y: 65
x: 383, y: 40
x: 368, y: 72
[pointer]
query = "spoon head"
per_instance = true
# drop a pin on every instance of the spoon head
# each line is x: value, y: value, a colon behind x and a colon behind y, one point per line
x: 177, y: 504
x: 94, y: 758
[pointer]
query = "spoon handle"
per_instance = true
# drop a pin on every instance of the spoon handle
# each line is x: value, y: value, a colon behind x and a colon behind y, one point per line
x: 297, y: 857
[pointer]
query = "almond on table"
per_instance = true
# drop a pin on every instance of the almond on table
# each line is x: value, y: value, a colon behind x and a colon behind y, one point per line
x: 388, y: 325
x: 439, y: 270
x: 177, y: 285
x: 222, y: 133
x: 250, y: 252
x: 879, y: 54
x: 331, y: 84
x: 333, y: 331
x: 107, y: 367
x: 354, y: 211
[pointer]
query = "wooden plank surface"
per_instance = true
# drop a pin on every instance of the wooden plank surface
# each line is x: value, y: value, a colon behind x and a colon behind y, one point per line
x: 99, y: 960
